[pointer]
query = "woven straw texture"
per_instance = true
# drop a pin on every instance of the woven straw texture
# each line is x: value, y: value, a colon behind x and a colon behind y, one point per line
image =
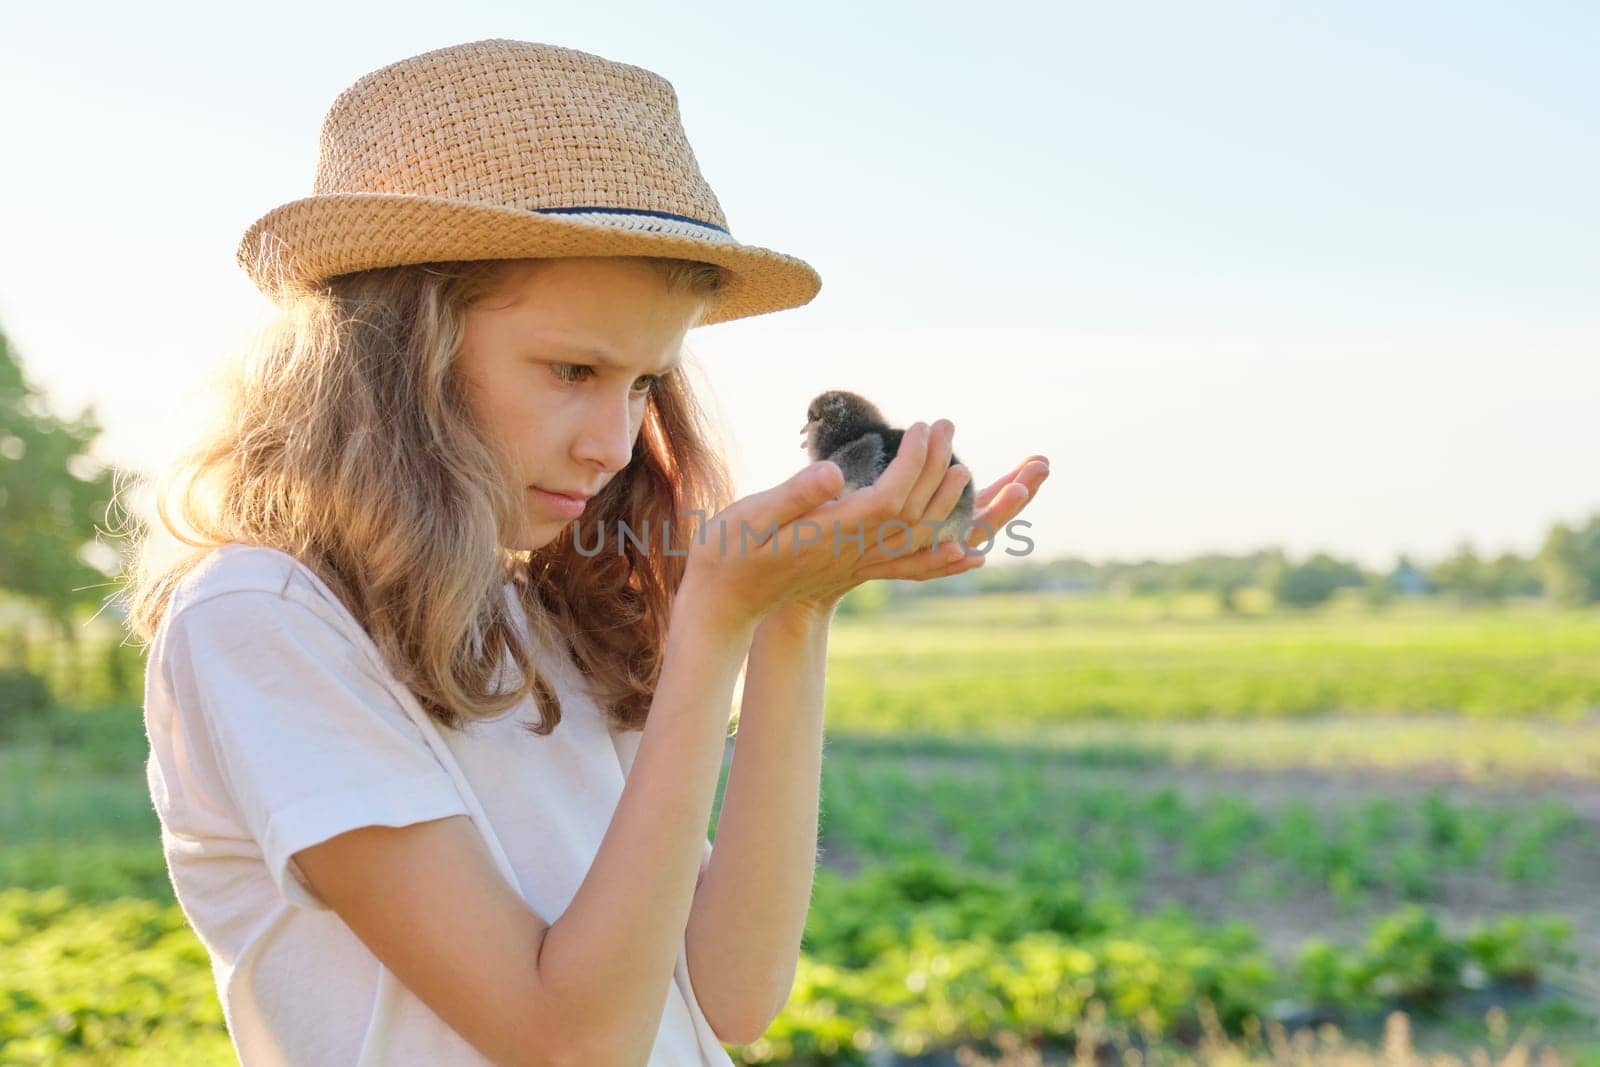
x: 498, y: 149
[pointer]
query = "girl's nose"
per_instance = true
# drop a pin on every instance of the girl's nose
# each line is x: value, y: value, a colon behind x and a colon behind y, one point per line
x: 608, y: 440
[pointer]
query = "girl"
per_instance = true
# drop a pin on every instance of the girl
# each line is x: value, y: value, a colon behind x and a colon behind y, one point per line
x: 433, y: 772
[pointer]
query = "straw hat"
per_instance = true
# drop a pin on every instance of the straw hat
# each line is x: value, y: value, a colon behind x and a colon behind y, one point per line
x: 505, y: 149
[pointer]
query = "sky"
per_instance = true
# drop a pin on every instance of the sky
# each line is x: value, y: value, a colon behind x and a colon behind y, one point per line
x: 1322, y: 277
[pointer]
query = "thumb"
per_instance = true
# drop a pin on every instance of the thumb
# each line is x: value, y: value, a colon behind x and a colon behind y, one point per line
x: 810, y: 487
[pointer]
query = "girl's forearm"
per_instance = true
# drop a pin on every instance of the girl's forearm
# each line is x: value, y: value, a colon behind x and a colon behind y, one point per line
x: 748, y: 916
x: 611, y: 954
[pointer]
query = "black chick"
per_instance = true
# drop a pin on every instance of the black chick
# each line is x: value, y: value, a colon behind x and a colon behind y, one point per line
x: 848, y: 429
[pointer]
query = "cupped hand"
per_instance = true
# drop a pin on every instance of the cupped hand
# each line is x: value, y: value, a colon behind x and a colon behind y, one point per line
x: 794, y: 543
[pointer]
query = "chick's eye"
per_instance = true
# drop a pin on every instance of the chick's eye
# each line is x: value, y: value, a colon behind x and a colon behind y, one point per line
x: 650, y: 382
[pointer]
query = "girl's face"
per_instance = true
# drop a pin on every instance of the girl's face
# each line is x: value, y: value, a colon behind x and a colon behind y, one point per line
x: 559, y: 366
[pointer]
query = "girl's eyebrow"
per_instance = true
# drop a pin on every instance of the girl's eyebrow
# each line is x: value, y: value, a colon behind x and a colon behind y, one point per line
x: 600, y: 356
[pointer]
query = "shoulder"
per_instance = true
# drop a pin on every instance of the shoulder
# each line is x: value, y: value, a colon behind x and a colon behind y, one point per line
x: 257, y: 586
x: 241, y: 568
x: 251, y: 619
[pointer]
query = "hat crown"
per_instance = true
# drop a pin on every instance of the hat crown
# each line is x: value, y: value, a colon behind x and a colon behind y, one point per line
x: 515, y: 124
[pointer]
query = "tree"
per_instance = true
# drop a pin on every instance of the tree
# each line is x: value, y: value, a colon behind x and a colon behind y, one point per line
x: 1508, y: 575
x: 1462, y: 574
x: 1569, y: 560
x: 52, y: 493
x: 1378, y: 592
x: 1472, y: 578
x: 1313, y: 582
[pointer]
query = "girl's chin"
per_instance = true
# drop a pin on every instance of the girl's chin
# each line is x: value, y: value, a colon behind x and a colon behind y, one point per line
x: 537, y: 533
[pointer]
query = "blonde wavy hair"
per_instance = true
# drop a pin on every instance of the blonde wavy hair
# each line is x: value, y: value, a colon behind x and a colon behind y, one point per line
x: 347, y: 443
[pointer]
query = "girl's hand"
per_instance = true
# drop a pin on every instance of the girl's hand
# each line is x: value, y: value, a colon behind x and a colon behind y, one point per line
x: 795, y: 544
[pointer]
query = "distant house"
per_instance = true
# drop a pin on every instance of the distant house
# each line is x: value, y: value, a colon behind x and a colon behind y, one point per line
x: 1407, y: 580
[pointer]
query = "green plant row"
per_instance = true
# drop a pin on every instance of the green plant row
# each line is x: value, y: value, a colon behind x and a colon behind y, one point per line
x: 1410, y: 962
x: 912, y: 956
x: 1014, y: 814
x: 918, y: 956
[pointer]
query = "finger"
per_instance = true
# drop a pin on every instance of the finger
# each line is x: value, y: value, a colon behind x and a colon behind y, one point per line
x: 800, y: 494
x: 1012, y: 475
x: 1032, y: 477
x: 1002, y: 509
x: 927, y: 563
x: 933, y: 470
x: 923, y: 527
x: 896, y: 538
x: 987, y: 494
x: 949, y: 494
x: 887, y: 496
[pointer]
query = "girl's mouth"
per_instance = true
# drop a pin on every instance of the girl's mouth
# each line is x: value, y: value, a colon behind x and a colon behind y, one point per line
x: 568, y: 506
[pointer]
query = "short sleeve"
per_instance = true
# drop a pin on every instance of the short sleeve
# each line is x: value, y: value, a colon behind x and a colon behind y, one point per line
x: 308, y: 739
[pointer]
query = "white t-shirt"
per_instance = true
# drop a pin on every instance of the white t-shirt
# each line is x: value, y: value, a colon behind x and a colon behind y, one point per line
x: 274, y: 724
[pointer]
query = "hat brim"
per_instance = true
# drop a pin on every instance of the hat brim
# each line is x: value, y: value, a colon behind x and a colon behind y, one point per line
x: 314, y: 239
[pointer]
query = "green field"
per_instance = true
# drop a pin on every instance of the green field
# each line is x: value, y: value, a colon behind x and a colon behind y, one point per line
x: 1058, y: 818
x: 1018, y: 665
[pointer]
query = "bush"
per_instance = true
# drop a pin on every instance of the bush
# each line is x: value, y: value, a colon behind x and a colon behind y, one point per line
x: 25, y: 698
x: 1514, y: 948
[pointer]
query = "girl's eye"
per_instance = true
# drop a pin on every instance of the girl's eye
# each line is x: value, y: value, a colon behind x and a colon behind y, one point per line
x: 569, y: 372
x: 577, y: 372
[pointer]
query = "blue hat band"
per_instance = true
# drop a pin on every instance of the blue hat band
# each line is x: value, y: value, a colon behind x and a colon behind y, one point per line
x: 649, y: 221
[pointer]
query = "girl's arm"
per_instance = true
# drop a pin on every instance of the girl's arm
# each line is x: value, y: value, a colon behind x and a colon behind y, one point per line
x: 748, y: 915
x: 609, y: 957
x: 588, y: 988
